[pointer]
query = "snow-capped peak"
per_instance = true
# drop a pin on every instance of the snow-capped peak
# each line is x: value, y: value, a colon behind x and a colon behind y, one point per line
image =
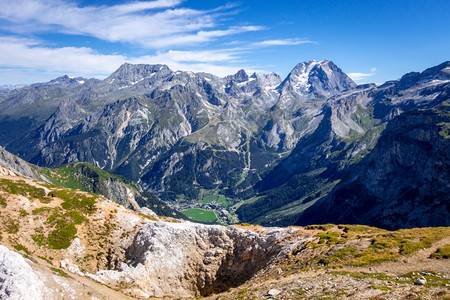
x: 316, y: 79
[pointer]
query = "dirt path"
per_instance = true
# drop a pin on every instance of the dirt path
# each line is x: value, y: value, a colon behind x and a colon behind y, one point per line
x: 73, y: 285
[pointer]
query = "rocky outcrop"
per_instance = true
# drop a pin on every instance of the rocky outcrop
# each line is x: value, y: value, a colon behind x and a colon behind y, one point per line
x: 17, y: 279
x: 18, y: 165
x: 187, y: 259
x: 140, y: 256
x: 136, y: 253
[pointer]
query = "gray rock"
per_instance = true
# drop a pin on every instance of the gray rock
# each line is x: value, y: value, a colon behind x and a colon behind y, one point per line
x: 420, y: 281
x: 17, y: 279
x: 273, y: 293
x: 406, y: 174
x: 212, y: 259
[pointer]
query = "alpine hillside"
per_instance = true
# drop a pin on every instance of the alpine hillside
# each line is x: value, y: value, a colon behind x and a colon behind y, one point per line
x: 58, y: 243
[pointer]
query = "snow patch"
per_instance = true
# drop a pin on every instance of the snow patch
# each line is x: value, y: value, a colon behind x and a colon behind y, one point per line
x: 245, y: 82
x: 134, y: 82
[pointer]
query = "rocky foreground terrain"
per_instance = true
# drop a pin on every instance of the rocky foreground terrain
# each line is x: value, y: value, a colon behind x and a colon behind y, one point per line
x: 59, y: 243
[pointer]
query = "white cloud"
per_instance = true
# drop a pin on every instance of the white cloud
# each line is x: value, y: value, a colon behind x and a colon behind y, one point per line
x: 230, y: 31
x: 27, y: 57
x: 139, y: 6
x: 358, y: 77
x: 198, y: 56
x: 25, y: 53
x: 199, y: 37
x: 152, y: 24
x: 284, y: 42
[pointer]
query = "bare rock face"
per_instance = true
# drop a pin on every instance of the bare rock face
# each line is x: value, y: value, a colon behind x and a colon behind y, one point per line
x: 187, y: 259
x: 17, y: 165
x: 17, y: 279
x: 402, y: 183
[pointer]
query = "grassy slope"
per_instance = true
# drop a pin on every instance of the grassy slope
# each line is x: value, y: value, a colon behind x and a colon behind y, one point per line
x: 88, y: 178
x: 60, y: 221
x: 69, y: 175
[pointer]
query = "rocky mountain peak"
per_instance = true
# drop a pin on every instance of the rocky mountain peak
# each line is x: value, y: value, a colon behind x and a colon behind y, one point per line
x: 316, y: 79
x: 133, y: 73
x: 66, y: 81
x: 61, y: 78
x: 240, y: 76
x: 183, y: 132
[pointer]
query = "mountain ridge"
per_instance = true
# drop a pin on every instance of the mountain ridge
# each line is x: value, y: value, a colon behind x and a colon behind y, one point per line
x: 188, y: 136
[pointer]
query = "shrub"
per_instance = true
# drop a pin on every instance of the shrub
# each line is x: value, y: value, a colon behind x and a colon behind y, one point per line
x: 23, y: 213
x: 20, y: 247
x: 62, y: 236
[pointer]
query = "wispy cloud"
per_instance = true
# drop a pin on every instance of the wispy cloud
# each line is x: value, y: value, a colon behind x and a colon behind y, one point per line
x: 199, y: 37
x: 230, y: 31
x: 358, y: 77
x: 224, y: 55
x: 22, y: 53
x: 151, y: 24
x: 283, y: 42
x: 26, y: 53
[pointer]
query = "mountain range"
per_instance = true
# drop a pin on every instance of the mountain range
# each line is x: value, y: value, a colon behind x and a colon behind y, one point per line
x: 314, y: 147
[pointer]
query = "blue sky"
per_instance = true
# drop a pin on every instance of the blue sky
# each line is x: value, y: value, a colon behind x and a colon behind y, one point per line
x: 372, y: 41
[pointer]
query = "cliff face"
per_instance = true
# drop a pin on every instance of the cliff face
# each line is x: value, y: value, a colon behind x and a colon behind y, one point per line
x: 15, y: 164
x: 403, y: 182
x: 191, y: 259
